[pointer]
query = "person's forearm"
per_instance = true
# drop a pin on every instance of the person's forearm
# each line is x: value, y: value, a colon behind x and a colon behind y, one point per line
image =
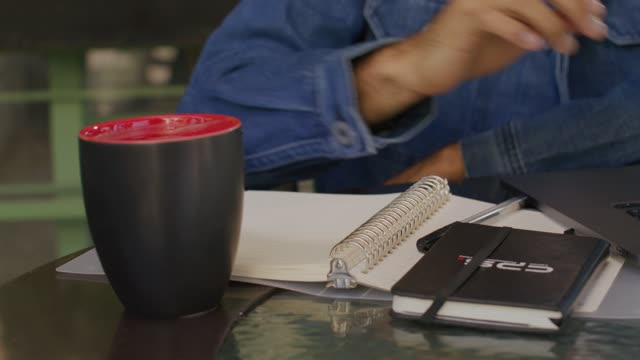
x: 382, y: 93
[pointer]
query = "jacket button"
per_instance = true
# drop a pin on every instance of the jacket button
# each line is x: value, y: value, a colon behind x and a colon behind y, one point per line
x: 343, y: 134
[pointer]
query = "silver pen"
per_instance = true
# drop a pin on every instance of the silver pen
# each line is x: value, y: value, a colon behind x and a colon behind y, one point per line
x: 506, y: 207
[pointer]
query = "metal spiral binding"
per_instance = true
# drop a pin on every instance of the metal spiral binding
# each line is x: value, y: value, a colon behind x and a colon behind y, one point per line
x: 383, y: 232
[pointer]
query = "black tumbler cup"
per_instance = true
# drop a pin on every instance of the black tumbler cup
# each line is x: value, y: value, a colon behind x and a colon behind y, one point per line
x: 163, y: 198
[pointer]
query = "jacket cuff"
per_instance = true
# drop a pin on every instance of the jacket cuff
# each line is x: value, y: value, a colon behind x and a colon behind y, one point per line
x: 338, y: 102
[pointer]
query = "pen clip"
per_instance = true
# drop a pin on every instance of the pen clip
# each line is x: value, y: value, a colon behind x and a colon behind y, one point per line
x: 426, y: 242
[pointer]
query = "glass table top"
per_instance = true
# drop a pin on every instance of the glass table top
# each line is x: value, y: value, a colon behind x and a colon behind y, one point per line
x: 44, y: 315
x: 291, y: 325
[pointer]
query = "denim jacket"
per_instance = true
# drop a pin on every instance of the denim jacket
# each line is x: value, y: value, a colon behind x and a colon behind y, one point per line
x: 284, y: 68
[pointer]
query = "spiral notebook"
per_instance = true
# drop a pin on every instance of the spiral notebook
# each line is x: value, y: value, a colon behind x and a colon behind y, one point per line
x: 382, y: 234
x: 352, y: 239
x: 319, y: 238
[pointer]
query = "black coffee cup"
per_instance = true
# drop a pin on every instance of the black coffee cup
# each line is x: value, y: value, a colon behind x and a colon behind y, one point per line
x: 163, y: 198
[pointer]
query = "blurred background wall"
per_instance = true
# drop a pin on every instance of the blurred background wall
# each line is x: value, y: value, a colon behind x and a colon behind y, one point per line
x: 71, y: 63
x: 24, y: 157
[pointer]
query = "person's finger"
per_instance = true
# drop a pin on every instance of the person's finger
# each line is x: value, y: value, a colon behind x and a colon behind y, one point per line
x: 524, y: 36
x: 598, y: 8
x: 585, y: 16
x: 544, y: 20
x: 511, y: 30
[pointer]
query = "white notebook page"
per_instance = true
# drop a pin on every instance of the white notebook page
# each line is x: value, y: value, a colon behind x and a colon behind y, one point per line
x: 288, y: 236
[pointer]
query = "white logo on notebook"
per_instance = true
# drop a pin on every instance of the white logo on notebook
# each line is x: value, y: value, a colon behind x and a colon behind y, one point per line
x: 510, y: 265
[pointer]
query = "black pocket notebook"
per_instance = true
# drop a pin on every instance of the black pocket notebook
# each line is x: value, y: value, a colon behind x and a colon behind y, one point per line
x: 490, y: 277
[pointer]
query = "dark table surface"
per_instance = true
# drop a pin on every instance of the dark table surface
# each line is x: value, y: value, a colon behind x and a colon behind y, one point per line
x: 44, y: 316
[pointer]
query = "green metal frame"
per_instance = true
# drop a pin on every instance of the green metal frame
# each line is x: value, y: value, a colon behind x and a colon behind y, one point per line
x: 55, y: 208
x: 66, y: 118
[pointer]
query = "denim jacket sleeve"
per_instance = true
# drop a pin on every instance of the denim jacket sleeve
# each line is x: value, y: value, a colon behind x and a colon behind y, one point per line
x: 584, y: 133
x: 284, y: 68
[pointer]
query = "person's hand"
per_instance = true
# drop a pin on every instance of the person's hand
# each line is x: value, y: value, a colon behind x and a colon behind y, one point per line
x: 446, y: 162
x: 468, y: 39
x: 472, y: 38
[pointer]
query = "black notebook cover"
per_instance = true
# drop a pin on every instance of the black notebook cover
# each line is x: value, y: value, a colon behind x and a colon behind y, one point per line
x: 528, y: 269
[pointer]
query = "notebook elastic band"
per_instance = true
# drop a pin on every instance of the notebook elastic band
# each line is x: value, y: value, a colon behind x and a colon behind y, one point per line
x: 464, y: 274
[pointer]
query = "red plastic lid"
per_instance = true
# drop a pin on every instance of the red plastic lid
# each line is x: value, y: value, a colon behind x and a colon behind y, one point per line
x: 155, y: 129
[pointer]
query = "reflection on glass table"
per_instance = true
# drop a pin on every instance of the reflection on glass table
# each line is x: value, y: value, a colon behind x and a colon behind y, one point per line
x: 292, y: 325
